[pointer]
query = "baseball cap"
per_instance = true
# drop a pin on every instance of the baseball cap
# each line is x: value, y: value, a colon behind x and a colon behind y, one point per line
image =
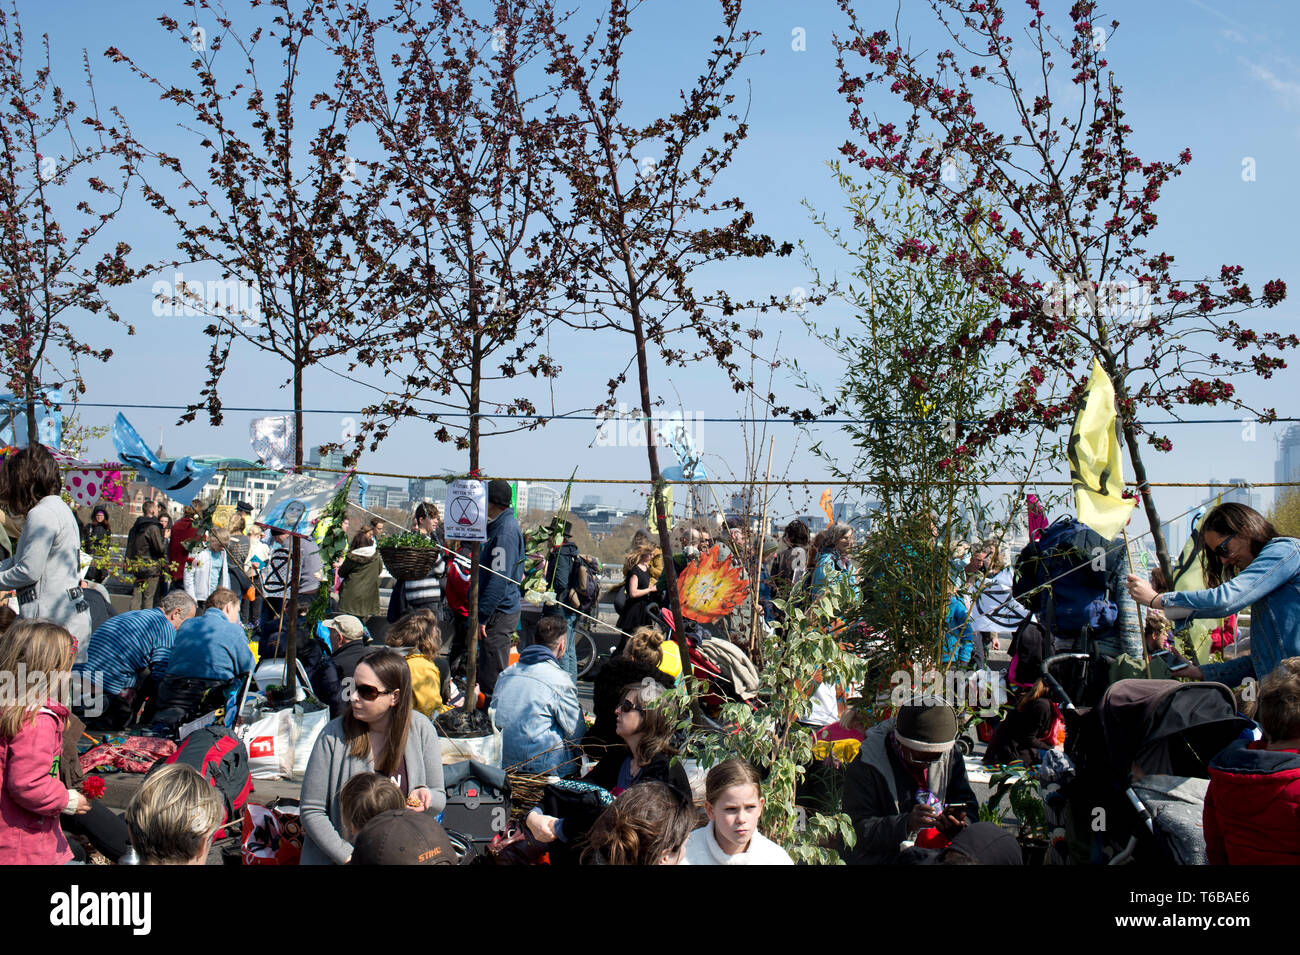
x: 347, y: 626
x: 403, y: 837
x: 499, y: 493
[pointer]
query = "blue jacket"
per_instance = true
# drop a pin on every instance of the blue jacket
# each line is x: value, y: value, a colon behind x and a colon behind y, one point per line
x: 503, y: 553
x: 1270, y: 586
x: 539, y: 715
x: 830, y: 569
x: 210, y: 647
x: 958, y: 637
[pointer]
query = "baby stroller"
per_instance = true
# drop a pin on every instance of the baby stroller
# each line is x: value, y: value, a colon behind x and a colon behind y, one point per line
x: 1140, y: 770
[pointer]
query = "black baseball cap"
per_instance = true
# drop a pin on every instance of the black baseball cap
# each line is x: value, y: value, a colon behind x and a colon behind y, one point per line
x: 403, y: 837
x: 499, y: 493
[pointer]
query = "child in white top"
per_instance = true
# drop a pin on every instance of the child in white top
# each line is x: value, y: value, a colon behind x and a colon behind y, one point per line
x: 734, y: 803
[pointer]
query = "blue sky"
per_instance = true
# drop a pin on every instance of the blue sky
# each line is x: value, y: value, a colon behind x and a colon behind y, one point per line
x: 1213, y: 77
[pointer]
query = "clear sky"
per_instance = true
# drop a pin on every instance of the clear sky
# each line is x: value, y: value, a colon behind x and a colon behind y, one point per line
x: 1217, y: 78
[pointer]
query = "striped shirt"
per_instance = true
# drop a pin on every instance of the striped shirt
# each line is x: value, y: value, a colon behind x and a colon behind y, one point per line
x: 127, y: 643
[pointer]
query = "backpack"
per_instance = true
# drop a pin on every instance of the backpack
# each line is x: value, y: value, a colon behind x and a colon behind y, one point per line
x: 1082, y: 569
x: 584, y: 584
x: 222, y: 759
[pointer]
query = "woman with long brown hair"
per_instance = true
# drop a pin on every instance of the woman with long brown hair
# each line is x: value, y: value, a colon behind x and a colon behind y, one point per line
x: 640, y: 569
x: 1247, y: 564
x: 379, y: 733
x: 45, y: 569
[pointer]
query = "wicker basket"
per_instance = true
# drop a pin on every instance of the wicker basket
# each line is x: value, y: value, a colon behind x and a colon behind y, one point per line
x: 409, y: 563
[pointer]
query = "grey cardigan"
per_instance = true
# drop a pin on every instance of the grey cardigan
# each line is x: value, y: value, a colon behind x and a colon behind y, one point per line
x: 331, y: 766
x: 46, y: 570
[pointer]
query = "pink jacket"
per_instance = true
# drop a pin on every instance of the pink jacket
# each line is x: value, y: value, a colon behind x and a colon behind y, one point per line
x: 31, y: 796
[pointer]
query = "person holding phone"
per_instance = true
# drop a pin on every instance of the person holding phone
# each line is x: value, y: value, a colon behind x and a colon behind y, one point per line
x: 1247, y: 564
x: 908, y: 784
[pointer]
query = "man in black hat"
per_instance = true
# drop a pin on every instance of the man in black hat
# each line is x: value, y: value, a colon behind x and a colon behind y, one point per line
x: 500, y: 574
x: 908, y: 784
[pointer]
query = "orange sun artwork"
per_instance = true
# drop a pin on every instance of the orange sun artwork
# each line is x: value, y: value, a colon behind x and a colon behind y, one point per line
x: 710, y: 587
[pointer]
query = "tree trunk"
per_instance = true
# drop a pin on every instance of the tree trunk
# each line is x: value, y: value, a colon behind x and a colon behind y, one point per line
x: 475, y: 548
x: 1148, y: 501
x: 290, y: 607
x: 658, y: 507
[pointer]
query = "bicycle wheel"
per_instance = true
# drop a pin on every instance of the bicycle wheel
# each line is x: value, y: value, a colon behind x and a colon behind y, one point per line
x: 585, y: 649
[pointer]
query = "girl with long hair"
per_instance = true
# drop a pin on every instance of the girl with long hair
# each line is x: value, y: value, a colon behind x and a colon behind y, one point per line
x: 379, y: 733
x: 37, y: 655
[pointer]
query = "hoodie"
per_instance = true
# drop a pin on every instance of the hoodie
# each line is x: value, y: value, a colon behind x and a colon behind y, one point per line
x: 538, y: 711
x: 1252, y: 806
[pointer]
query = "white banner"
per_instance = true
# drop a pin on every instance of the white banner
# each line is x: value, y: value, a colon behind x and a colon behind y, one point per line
x: 465, y: 516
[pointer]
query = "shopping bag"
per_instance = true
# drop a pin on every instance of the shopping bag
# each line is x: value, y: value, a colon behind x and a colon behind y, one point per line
x: 271, y: 835
x: 270, y: 745
x: 306, y: 727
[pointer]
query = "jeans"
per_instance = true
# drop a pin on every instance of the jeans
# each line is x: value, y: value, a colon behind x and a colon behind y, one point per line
x: 569, y: 662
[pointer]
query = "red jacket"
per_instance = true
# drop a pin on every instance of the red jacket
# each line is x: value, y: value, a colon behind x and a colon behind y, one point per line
x: 1252, y: 807
x: 31, y: 796
x: 182, y: 531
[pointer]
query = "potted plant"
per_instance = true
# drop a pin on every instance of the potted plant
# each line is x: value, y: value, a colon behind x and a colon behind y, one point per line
x: 1019, y: 784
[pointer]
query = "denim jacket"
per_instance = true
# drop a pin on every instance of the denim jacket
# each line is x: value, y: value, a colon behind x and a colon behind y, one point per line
x: 539, y: 715
x: 1270, y: 586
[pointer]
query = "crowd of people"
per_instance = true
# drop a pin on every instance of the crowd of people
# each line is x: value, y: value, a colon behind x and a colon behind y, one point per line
x: 374, y: 783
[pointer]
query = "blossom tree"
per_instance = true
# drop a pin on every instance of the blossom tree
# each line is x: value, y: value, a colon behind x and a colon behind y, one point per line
x: 61, y: 163
x: 1074, y: 206
x: 278, y: 203
x: 641, y: 209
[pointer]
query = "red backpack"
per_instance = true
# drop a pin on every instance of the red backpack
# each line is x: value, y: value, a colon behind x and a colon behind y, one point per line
x: 222, y: 759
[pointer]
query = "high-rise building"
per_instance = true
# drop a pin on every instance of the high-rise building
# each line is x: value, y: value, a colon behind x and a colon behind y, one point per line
x: 541, y: 498
x: 1287, y: 466
x: 1236, y: 490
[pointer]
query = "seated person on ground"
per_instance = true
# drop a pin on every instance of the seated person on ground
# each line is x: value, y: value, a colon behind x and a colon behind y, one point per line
x: 537, y: 707
x: 125, y: 645
x: 173, y: 816
x: 647, y: 826
x: 908, y: 784
x: 1252, y: 807
x: 641, y: 657
x: 365, y: 796
x: 210, y: 650
x: 416, y: 636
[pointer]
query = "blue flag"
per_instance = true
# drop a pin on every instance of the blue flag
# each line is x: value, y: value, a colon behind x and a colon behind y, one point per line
x: 49, y: 419
x: 180, y: 479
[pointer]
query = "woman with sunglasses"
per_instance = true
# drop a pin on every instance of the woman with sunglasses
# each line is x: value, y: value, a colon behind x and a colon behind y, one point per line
x: 1247, y: 564
x: 379, y: 733
x: 645, y: 756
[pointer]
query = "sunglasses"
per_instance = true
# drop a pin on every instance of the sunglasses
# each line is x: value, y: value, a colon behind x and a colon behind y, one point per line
x: 1222, y: 550
x: 370, y: 693
x: 627, y: 706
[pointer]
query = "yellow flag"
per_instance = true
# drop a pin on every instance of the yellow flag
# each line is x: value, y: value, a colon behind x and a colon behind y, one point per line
x: 652, y: 519
x: 1096, y: 467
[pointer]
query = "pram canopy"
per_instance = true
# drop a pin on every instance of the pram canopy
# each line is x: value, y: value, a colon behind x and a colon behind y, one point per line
x: 1167, y: 728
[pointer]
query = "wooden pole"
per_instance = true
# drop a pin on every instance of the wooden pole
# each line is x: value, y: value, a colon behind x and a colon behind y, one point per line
x: 758, y: 566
